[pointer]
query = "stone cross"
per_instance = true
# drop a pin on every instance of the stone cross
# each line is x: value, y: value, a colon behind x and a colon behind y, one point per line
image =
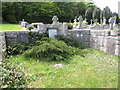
x: 104, y: 21
x: 95, y: 21
x: 114, y: 20
x: 91, y: 22
x: 75, y: 20
x: 111, y: 22
x: 101, y: 21
x: 80, y: 19
x: 55, y: 20
x: 23, y: 20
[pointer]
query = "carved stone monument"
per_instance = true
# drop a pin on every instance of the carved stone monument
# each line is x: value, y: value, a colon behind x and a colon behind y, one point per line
x: 114, y: 21
x: 104, y: 21
x: 55, y: 20
x: 95, y: 22
x: 80, y: 19
x: 111, y: 22
x: 91, y: 22
x: 75, y: 20
x: 23, y: 23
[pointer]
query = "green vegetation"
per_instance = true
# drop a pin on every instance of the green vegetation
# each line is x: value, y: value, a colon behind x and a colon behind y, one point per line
x: 70, y: 41
x: 31, y: 27
x: 14, y: 12
x: 80, y: 67
x: 51, y: 50
x: 13, y: 76
x: 95, y: 70
x: 70, y: 25
x: 10, y: 27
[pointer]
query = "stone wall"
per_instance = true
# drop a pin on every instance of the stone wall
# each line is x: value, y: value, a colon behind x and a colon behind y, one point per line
x: 104, y: 40
x: 2, y: 45
x: 82, y: 35
x: 16, y: 37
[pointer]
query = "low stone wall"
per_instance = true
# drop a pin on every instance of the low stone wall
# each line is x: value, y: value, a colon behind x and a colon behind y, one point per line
x: 103, y: 40
x: 2, y: 45
x: 16, y: 37
x: 82, y: 35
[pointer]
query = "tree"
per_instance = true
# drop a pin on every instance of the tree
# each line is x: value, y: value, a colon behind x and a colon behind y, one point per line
x: 117, y: 17
x: 107, y: 13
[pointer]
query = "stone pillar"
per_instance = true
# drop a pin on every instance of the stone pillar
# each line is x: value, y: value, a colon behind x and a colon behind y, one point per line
x: 38, y: 27
x: 2, y: 45
x: 117, y: 47
x: 65, y: 28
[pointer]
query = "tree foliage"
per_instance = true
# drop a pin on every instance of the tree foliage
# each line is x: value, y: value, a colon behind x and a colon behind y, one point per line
x: 44, y: 11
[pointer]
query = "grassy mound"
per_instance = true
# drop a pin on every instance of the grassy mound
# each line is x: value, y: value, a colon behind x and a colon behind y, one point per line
x: 51, y: 50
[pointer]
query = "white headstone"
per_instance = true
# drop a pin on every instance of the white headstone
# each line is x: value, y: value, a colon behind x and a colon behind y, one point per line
x: 52, y: 33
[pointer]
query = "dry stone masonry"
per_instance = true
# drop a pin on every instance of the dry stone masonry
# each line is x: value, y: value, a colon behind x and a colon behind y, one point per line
x: 2, y: 45
x: 103, y: 40
x: 93, y: 35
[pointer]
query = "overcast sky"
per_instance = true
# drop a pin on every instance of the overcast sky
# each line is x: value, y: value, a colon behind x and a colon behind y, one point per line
x: 113, y: 4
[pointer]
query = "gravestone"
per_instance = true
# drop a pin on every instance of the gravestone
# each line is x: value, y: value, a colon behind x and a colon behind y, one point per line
x: 91, y: 22
x: 80, y: 19
x: 23, y: 23
x: 55, y: 20
x: 52, y: 33
x: 112, y: 22
x: 75, y: 20
x: 104, y: 21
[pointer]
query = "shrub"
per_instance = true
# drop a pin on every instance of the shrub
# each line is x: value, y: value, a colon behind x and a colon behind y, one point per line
x: 17, y: 48
x: 82, y: 23
x: 70, y: 41
x: 85, y: 23
x: 20, y: 48
x: 70, y: 25
x: 35, y: 36
x: 12, y: 76
x: 30, y: 27
x: 51, y: 50
x: 11, y: 19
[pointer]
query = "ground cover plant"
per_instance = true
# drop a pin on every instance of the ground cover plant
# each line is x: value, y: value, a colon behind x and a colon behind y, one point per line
x: 13, y: 76
x: 79, y: 67
x: 10, y: 27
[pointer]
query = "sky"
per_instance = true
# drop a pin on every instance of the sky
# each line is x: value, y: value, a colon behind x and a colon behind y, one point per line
x: 112, y: 4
